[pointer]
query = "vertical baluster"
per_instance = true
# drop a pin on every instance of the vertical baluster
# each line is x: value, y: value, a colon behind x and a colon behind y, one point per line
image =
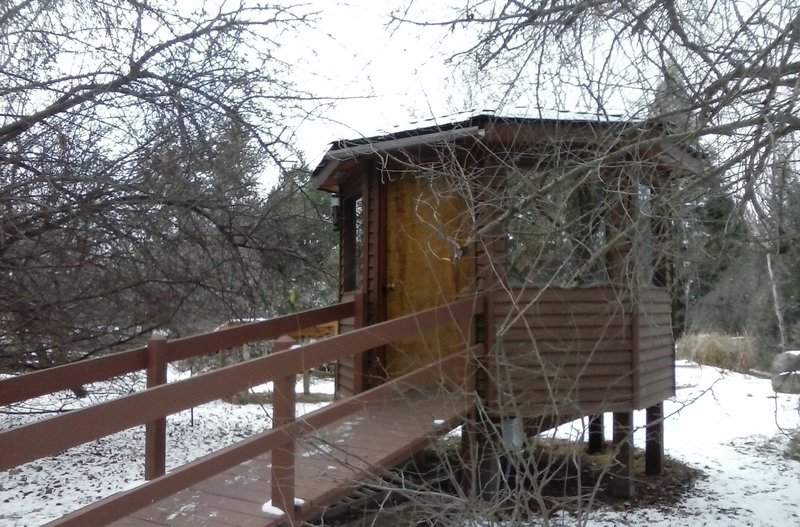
x: 283, y: 408
x: 155, y: 459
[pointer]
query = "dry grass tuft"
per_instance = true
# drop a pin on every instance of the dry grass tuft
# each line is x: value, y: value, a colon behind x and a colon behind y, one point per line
x: 715, y: 349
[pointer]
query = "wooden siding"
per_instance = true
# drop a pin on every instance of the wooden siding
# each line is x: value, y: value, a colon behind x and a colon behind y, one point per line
x: 656, y: 348
x: 575, y: 351
x: 355, y: 374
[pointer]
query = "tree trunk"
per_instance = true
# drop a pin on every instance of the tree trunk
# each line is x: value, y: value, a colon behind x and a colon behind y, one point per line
x: 776, y: 302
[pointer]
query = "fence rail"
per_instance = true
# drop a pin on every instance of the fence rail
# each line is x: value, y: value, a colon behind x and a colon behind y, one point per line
x: 152, y: 406
x: 51, y: 380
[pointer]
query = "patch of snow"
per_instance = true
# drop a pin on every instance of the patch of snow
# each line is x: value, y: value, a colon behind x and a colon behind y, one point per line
x: 438, y: 422
x: 299, y: 502
x: 269, y: 509
x: 731, y: 426
x: 793, y: 352
x: 48, y: 488
x: 734, y: 428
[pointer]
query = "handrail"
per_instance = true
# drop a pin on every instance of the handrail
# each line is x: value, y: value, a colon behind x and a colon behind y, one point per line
x: 55, y: 434
x: 23, y: 387
x: 120, y: 505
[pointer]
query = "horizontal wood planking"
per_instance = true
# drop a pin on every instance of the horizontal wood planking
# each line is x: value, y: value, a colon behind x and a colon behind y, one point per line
x: 561, y: 347
x: 650, y: 368
x: 528, y: 381
x: 564, y: 358
x: 656, y: 392
x: 565, y: 335
x: 580, y: 342
x: 655, y: 345
x: 600, y: 294
x: 512, y: 309
x: 656, y: 368
x: 592, y: 319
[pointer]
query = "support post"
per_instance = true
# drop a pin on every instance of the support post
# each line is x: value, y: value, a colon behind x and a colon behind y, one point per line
x: 654, y: 443
x: 155, y: 434
x: 488, y: 457
x: 283, y: 412
x: 596, y: 434
x: 622, y: 479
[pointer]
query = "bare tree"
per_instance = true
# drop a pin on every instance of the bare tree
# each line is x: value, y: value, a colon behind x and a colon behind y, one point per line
x: 132, y: 137
x: 718, y: 76
x: 716, y: 79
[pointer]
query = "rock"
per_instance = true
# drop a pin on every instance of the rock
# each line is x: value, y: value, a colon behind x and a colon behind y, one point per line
x: 786, y: 361
x: 786, y: 383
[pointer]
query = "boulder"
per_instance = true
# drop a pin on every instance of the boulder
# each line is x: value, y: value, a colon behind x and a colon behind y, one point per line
x: 786, y: 361
x: 786, y: 383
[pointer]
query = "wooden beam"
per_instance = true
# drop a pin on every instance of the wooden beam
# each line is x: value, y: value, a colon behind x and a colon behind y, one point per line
x: 596, y: 436
x: 654, y: 444
x: 155, y: 434
x: 622, y: 479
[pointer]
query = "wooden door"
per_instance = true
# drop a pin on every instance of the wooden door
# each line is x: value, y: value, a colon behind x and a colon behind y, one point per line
x: 426, y: 225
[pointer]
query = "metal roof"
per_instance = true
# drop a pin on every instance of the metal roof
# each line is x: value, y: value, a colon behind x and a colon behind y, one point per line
x: 472, y: 125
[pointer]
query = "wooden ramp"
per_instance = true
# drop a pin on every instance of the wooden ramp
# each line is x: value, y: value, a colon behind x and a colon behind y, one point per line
x: 330, y: 464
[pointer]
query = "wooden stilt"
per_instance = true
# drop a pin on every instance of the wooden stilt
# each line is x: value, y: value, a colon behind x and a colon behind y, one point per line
x: 488, y: 460
x: 596, y: 434
x: 654, y: 444
x: 469, y: 456
x: 622, y: 480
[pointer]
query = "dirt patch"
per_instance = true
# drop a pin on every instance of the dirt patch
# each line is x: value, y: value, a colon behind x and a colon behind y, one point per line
x: 571, y: 471
x: 793, y: 448
x: 572, y: 480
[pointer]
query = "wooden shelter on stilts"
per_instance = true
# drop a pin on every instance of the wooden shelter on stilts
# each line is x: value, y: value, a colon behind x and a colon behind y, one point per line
x: 563, y: 223
x: 503, y: 274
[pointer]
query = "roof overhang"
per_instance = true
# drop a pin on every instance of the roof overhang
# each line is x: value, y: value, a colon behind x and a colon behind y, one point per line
x: 342, y: 158
x: 338, y: 161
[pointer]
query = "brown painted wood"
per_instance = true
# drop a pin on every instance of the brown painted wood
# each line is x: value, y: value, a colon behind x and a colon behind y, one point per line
x: 51, y: 380
x: 597, y: 438
x: 635, y: 356
x: 283, y: 466
x: 23, y: 387
x: 115, y: 507
x: 55, y: 434
x: 621, y: 485
x: 654, y: 443
x: 610, y: 294
x: 323, y: 475
x: 155, y: 434
x: 187, y: 347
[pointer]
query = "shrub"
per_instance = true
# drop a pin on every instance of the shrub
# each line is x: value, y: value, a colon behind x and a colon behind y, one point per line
x: 715, y: 349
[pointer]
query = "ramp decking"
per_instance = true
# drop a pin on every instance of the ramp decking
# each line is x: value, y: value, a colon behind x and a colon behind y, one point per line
x: 329, y: 464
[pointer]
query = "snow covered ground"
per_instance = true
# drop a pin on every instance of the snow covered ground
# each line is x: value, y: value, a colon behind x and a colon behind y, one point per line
x: 731, y: 426
x: 735, y: 429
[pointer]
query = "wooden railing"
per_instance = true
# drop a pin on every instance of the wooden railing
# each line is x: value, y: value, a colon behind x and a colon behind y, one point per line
x: 51, y: 380
x: 53, y: 435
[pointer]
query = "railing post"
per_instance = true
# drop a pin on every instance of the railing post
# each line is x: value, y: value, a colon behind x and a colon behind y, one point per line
x: 155, y: 442
x: 283, y: 412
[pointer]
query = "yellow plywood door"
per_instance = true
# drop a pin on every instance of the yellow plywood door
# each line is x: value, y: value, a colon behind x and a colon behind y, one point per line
x: 426, y: 224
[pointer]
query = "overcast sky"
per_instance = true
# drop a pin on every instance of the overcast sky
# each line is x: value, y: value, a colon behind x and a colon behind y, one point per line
x: 399, y: 77
x: 392, y: 77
